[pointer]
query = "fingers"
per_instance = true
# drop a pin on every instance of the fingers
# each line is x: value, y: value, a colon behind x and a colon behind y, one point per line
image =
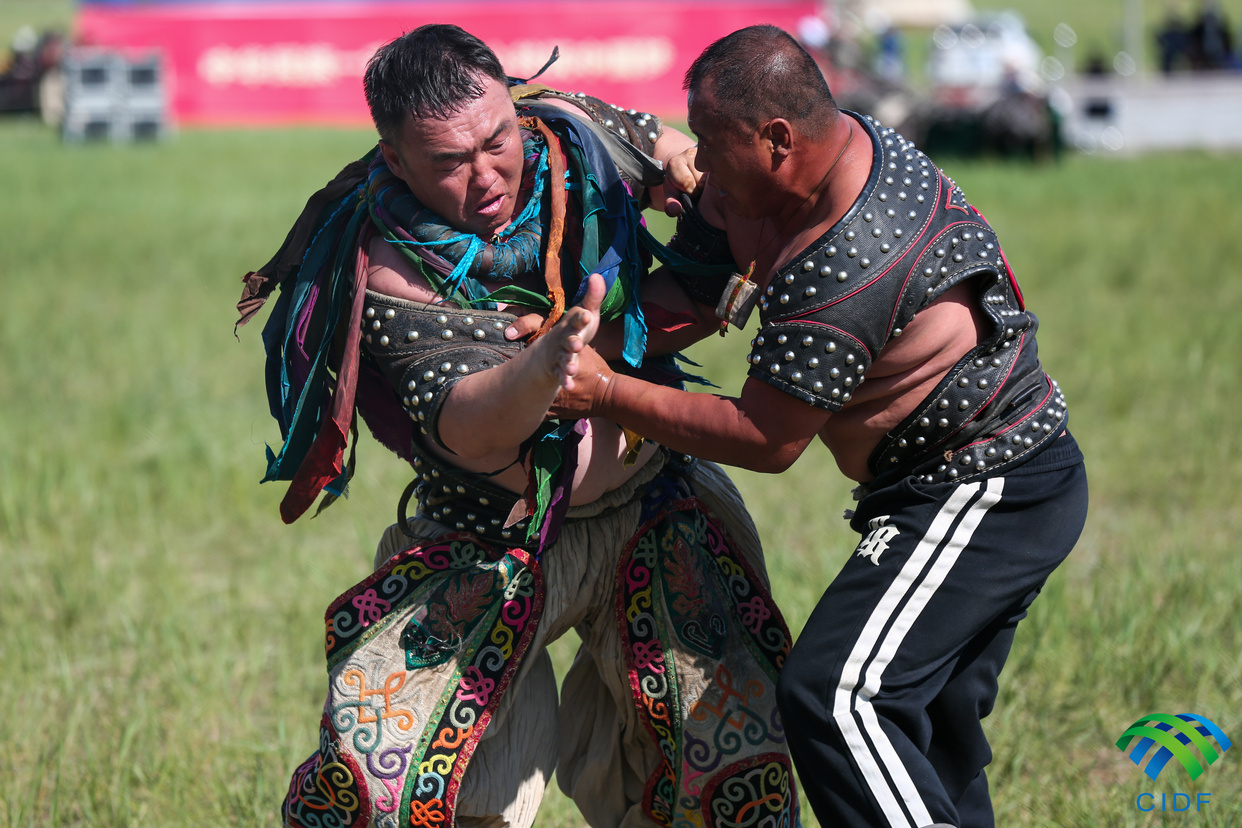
x: 682, y: 203
x: 567, y: 378
x: 596, y: 291
x: 680, y: 172
x: 523, y: 327
x: 575, y: 320
x: 569, y: 368
x: 577, y: 397
x: 569, y: 339
x: 682, y: 181
x: 586, y: 315
x: 557, y: 352
x: 574, y: 344
x: 570, y: 365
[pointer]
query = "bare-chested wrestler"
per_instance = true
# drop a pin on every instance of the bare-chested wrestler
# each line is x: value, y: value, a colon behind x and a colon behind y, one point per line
x: 892, y: 329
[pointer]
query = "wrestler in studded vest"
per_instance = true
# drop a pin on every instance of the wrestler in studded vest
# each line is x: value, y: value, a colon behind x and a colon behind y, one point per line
x: 908, y: 238
x: 423, y: 350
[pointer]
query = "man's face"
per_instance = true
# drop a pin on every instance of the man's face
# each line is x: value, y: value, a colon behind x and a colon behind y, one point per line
x: 739, y: 163
x: 467, y: 168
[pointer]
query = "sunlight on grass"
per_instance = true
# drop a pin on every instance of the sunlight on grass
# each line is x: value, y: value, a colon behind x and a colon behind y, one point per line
x: 163, y: 630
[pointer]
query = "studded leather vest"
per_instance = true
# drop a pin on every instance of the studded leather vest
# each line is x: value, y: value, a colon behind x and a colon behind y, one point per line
x: 423, y: 351
x: 909, y: 237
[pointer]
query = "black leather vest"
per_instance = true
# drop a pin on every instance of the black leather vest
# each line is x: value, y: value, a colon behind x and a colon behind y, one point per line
x: 909, y: 237
x: 423, y: 350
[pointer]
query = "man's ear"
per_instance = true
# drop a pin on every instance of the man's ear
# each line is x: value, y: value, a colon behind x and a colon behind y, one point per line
x: 779, y: 134
x: 391, y: 158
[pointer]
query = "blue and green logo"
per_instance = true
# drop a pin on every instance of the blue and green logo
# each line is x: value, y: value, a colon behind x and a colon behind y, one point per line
x: 1175, y: 735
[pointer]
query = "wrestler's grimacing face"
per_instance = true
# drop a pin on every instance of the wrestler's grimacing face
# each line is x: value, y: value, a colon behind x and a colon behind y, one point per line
x: 467, y: 168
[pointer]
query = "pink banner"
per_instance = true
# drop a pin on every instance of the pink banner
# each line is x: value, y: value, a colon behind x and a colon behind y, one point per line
x: 273, y: 63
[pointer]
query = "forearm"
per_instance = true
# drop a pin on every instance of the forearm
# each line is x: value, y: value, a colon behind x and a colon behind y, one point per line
x: 710, y: 426
x: 493, y: 411
x: 496, y: 410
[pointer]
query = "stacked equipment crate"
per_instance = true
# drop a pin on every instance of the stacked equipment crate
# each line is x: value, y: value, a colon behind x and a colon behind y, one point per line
x: 112, y: 97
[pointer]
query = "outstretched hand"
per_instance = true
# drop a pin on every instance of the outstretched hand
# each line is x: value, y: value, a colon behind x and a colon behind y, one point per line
x: 576, y: 329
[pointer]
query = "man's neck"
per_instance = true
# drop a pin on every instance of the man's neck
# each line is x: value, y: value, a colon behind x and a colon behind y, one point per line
x: 820, y: 163
x: 822, y: 203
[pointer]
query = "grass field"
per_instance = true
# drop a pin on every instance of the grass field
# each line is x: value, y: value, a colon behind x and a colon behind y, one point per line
x: 161, y: 629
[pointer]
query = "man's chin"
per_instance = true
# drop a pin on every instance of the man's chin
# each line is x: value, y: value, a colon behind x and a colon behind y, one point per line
x: 488, y: 225
x: 484, y: 229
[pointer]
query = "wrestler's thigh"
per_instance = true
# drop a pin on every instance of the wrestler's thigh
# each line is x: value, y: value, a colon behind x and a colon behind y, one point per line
x: 935, y: 566
x: 510, y: 770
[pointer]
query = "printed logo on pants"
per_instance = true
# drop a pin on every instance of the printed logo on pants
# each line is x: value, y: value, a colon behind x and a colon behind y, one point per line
x: 877, y: 539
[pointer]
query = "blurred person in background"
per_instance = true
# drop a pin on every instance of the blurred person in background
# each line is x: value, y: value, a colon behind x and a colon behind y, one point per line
x: 397, y: 287
x: 892, y: 329
x: 30, y: 75
x: 1172, y: 41
x: 1209, y: 41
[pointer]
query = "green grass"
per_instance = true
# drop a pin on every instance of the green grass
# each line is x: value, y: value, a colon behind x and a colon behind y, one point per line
x: 162, y: 628
x: 38, y: 14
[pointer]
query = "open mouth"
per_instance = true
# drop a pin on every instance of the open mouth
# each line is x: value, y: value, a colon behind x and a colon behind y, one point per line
x: 492, y: 206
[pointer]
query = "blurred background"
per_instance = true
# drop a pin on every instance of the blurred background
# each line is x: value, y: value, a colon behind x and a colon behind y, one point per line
x: 161, y: 631
x: 989, y: 76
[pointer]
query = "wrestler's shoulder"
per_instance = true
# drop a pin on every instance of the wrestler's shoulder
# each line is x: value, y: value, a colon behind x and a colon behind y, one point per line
x: 391, y: 273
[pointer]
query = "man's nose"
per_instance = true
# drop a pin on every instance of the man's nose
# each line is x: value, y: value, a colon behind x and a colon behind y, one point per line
x: 483, y: 173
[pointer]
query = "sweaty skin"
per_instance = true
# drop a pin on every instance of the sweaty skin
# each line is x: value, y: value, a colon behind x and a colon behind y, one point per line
x: 467, y: 168
x: 775, y: 191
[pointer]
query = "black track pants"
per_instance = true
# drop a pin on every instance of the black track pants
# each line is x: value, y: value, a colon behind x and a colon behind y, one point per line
x: 884, y: 692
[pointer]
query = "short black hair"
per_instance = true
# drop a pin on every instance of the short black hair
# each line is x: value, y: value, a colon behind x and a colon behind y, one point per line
x: 430, y: 72
x: 759, y: 73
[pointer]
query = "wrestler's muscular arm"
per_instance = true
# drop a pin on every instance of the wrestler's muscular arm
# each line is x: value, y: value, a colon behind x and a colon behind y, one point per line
x: 763, y: 429
x: 494, y: 411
